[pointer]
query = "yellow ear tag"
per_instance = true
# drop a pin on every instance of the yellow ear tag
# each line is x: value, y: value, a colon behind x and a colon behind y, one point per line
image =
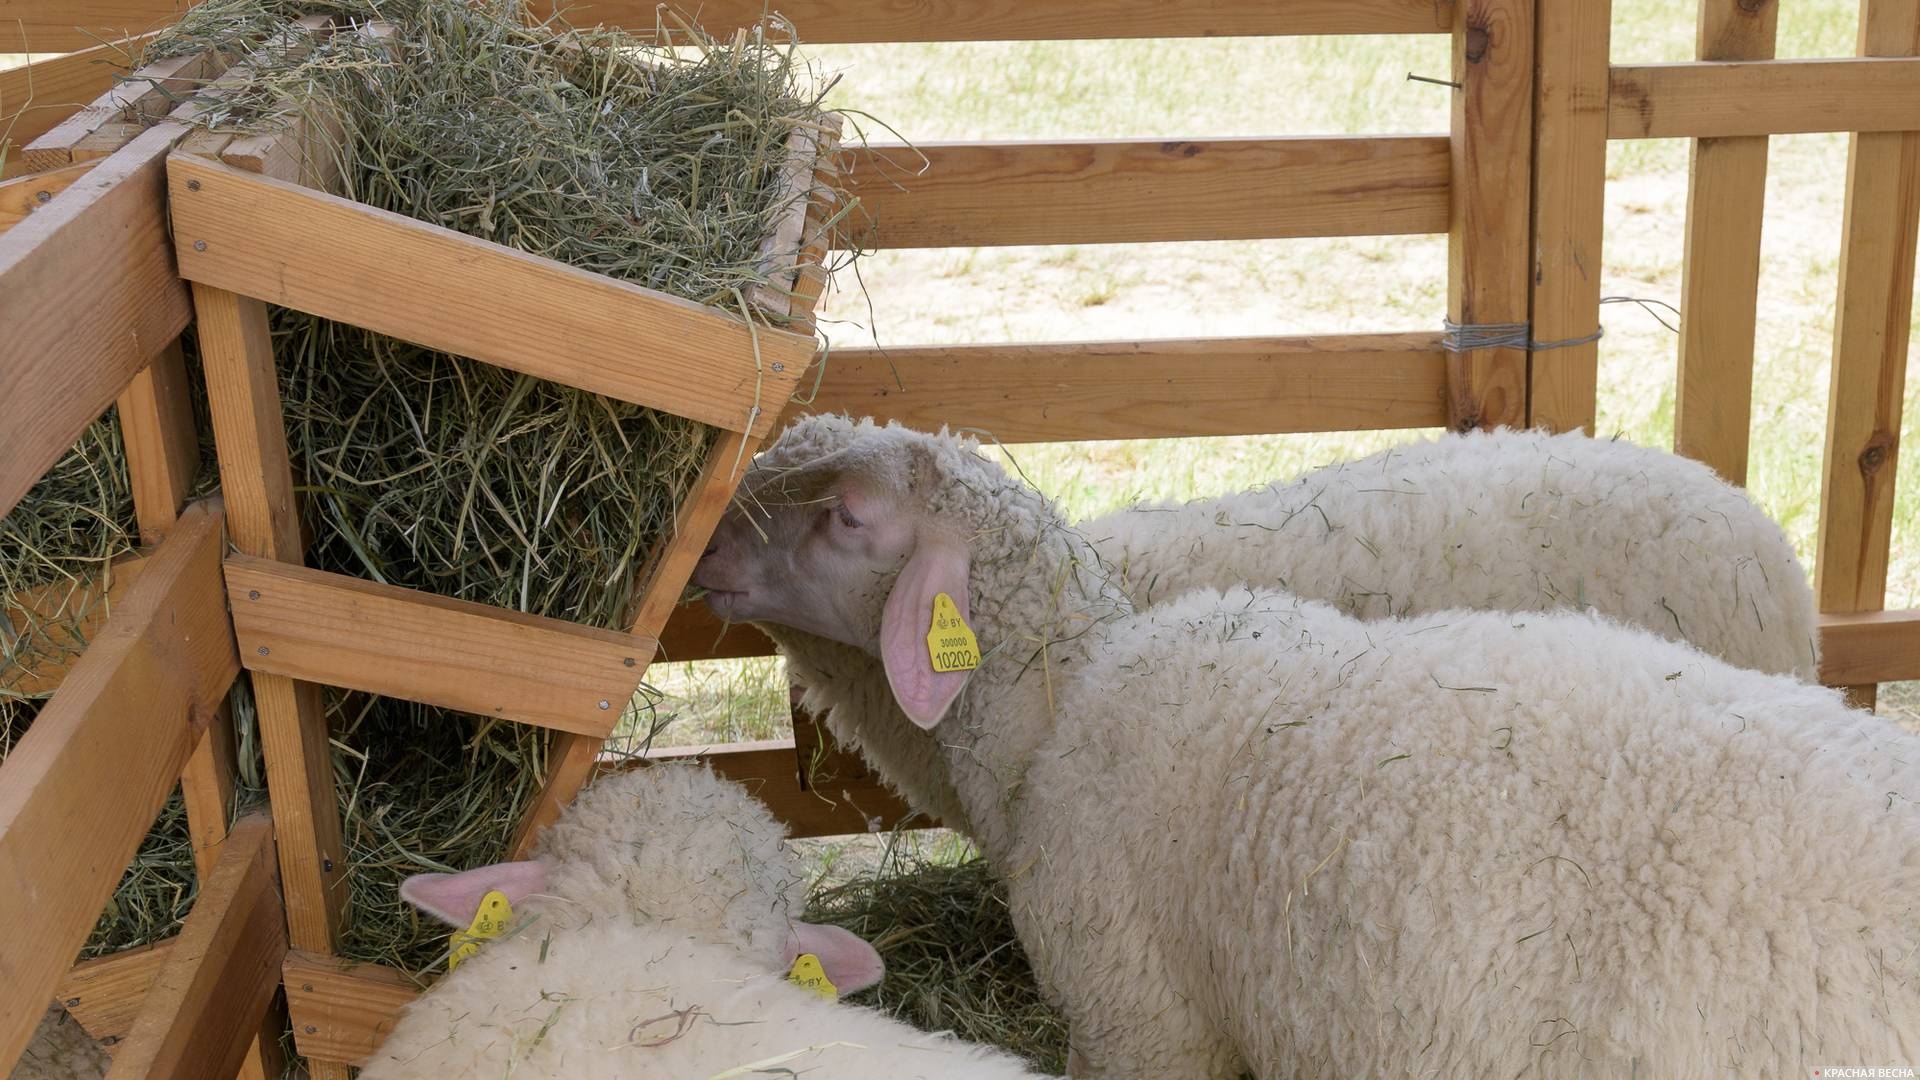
x: 488, y: 923
x: 809, y: 975
x: 950, y: 641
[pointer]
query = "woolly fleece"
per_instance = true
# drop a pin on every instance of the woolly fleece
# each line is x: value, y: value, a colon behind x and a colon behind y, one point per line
x: 658, y: 954
x: 1247, y: 831
x: 1495, y: 521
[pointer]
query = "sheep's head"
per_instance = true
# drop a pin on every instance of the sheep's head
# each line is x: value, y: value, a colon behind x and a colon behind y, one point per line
x: 672, y: 845
x: 849, y: 530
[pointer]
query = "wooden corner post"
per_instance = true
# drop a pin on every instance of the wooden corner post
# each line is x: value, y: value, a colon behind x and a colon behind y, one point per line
x: 1488, y: 257
x: 1872, y: 325
x: 1569, y: 208
x: 1720, y: 282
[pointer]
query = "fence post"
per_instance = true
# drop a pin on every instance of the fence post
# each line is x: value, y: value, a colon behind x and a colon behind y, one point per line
x: 1488, y: 263
x: 1872, y: 323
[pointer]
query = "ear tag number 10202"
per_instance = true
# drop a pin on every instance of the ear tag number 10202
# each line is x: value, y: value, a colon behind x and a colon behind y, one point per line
x: 950, y: 641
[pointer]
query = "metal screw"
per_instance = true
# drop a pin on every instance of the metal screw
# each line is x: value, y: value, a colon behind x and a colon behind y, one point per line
x: 110, y: 1040
x: 326, y: 864
x: 253, y: 594
x: 604, y: 705
x: 308, y: 987
x: 310, y: 1029
x: 779, y: 366
x: 199, y: 245
x: 263, y: 650
x: 628, y: 661
x: 73, y: 1002
x: 43, y: 196
x: 193, y: 185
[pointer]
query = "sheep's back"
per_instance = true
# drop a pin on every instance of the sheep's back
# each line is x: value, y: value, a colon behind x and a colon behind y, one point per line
x: 1515, y: 521
x: 1458, y: 844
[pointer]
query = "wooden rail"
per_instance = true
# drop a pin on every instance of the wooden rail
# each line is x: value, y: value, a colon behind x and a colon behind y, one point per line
x: 1710, y: 99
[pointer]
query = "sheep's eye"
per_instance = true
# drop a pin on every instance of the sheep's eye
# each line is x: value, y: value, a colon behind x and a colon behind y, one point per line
x: 846, y: 516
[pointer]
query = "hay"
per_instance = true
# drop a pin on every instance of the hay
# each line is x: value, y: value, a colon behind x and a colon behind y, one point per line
x: 953, y: 960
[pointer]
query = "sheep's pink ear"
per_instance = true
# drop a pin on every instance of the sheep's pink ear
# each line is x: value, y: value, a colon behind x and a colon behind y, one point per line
x: 454, y: 898
x: 936, y: 566
x: 850, y: 963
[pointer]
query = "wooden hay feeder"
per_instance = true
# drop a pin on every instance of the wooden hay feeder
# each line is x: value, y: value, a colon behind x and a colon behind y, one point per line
x: 251, y: 224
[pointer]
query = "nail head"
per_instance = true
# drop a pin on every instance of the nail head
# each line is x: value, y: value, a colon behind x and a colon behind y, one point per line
x: 779, y: 365
x: 193, y: 185
x: 43, y: 196
x: 253, y: 594
x: 263, y: 650
x: 628, y: 661
x: 199, y: 245
x: 604, y: 705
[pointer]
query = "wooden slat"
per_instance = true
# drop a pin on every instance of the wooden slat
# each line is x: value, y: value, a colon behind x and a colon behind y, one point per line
x: 50, y: 26
x: 1868, y: 648
x: 58, y: 26
x: 1766, y: 97
x: 1873, y: 326
x: 1110, y: 191
x: 81, y: 788
x: 163, y: 447
x: 25, y: 194
x: 105, y: 995
x: 1148, y: 389
x: 341, y: 260
x: 36, y: 97
x: 342, y: 631
x: 206, y: 1002
x: 693, y: 633
x: 342, y: 1012
x: 236, y: 352
x: 88, y: 295
x: 1569, y: 207
x: 1720, y: 285
x: 146, y: 93
x: 1489, y: 257
x: 659, y: 585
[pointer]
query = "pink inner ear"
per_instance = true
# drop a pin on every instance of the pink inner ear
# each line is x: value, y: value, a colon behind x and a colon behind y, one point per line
x: 850, y: 963
x: 936, y: 566
x: 454, y: 898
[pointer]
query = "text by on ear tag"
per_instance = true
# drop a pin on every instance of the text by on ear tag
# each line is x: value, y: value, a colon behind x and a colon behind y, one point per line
x: 950, y: 641
x: 808, y: 974
x: 488, y: 923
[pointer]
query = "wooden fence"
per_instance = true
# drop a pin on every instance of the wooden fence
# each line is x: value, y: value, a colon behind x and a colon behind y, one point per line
x: 1517, y: 185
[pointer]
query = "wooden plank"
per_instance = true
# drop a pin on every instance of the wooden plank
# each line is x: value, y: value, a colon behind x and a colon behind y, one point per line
x: 163, y: 447
x: 1763, y: 97
x: 243, y: 393
x: 81, y: 788
x: 25, y: 194
x: 45, y: 674
x: 1489, y: 257
x: 822, y: 22
x: 36, y: 97
x: 694, y: 633
x: 134, y: 97
x: 88, y: 295
x: 830, y: 805
x: 206, y: 785
x: 341, y: 260
x: 342, y: 1012
x: 1148, y: 389
x: 1720, y: 284
x: 1569, y: 208
x: 1099, y: 191
x: 105, y: 995
x: 659, y: 585
x: 1868, y: 648
x: 1872, y: 330
x: 363, y: 635
x: 58, y: 26
x: 206, y: 1002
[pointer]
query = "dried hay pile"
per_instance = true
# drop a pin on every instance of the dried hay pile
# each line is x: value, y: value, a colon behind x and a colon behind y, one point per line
x: 655, y: 162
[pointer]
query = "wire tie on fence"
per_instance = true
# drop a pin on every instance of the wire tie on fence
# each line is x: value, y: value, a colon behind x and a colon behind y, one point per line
x: 1468, y: 337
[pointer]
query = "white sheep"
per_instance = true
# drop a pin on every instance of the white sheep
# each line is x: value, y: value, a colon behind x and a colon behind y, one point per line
x: 653, y: 938
x: 1244, y: 831
x: 1495, y: 521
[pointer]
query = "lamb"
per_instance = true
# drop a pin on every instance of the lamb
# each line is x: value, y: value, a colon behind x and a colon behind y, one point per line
x: 1243, y: 831
x: 653, y: 938
x: 1495, y: 521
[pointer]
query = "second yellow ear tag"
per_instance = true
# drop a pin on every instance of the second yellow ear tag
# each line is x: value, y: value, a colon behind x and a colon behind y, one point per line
x: 808, y: 974
x: 950, y: 641
x: 488, y: 923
